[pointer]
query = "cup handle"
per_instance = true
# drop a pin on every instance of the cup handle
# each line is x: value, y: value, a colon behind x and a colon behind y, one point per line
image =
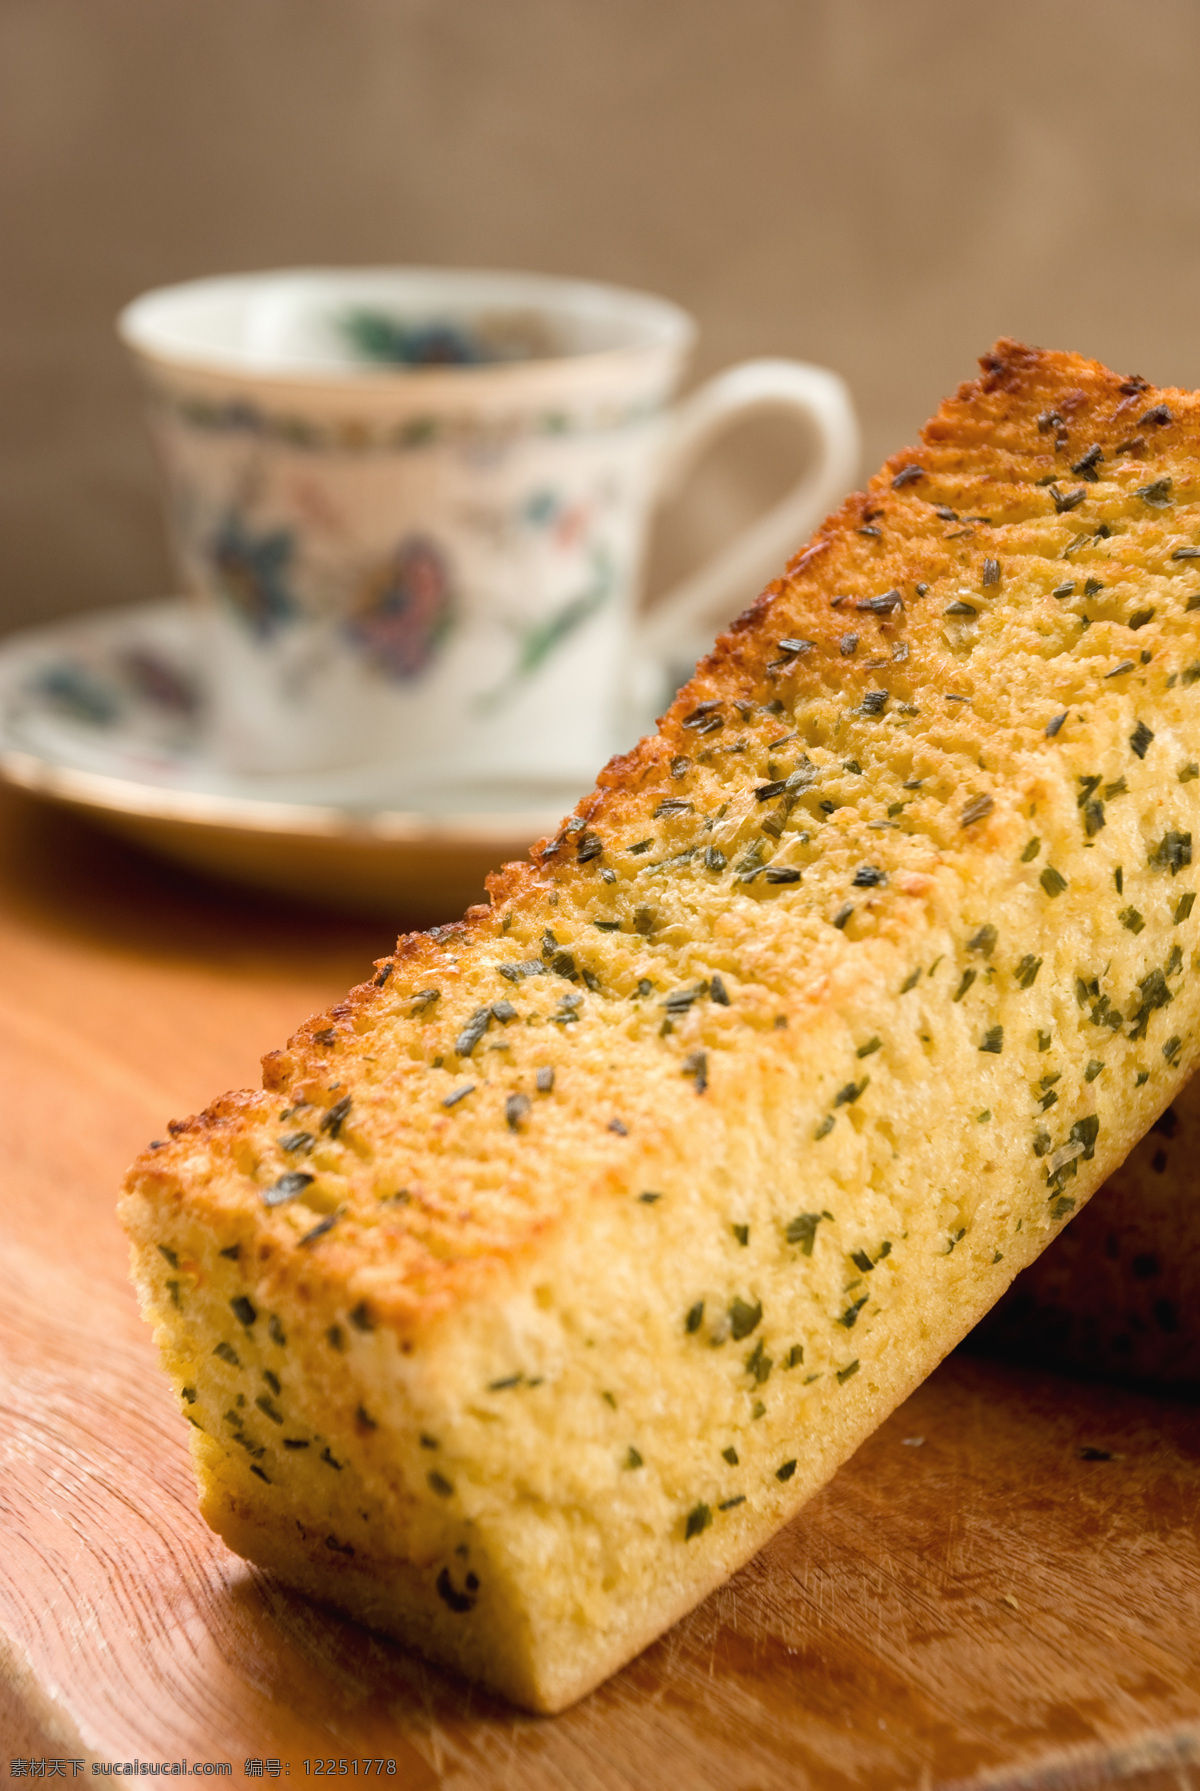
x: 731, y: 578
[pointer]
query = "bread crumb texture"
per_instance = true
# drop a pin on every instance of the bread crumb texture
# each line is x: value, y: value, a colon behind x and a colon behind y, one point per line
x: 558, y: 1265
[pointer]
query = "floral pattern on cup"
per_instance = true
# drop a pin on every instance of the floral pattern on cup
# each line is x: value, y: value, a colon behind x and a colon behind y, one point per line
x: 352, y: 434
x: 539, y: 641
x: 251, y: 570
x: 406, y: 610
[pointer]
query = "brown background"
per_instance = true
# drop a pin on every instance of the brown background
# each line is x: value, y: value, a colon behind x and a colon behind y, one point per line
x: 882, y: 187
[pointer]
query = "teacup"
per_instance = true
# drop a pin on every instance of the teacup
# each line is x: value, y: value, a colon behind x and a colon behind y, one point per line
x: 412, y: 506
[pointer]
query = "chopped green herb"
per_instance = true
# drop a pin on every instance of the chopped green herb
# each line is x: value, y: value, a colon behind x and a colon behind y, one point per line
x: 335, y: 1118
x: 696, y: 1066
x: 1171, y: 1049
x: 473, y: 1031
x: 728, y: 1504
x: 843, y: 1374
x: 632, y: 1459
x: 1173, y: 851
x: 459, y: 1094
x: 1140, y: 739
x: 451, y: 1596
x: 869, y: 1048
x: 227, y: 1353
x: 648, y: 1197
x: 824, y: 1127
x: 698, y: 1520
x: 911, y: 981
x: 741, y: 1233
x: 243, y: 1310
x: 1052, y: 881
x: 759, y: 1364
x: 976, y: 809
x: 968, y: 977
x: 1119, y: 879
x: 289, y: 1185
x: 718, y: 991
x: 993, y: 1040
x: 846, y: 1097
x: 785, y: 1471
x: 1129, y: 917
x: 849, y: 1317
x: 984, y: 941
x: 1184, y: 906
x: 515, y: 1109
x: 1031, y: 851
x: 731, y: 1456
x: 744, y: 1318
x: 439, y: 1484
x: 695, y: 1317
x: 795, y: 1356
x: 514, y: 973
x: 1026, y: 971
x: 802, y: 1230
x: 1093, y: 1070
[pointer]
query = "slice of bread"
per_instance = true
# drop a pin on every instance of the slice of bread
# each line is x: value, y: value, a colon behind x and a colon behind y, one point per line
x: 1118, y: 1297
x: 560, y: 1263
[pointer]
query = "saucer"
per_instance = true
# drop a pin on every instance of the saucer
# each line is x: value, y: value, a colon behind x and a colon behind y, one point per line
x: 105, y: 714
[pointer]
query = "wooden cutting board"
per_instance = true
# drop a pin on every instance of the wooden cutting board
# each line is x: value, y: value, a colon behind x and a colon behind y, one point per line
x: 1001, y: 1589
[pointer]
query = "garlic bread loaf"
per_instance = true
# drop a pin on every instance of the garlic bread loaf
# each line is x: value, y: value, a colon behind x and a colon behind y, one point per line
x: 557, y: 1266
x: 1118, y: 1297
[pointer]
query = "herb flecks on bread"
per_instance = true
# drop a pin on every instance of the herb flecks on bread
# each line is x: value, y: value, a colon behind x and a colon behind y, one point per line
x: 562, y: 1262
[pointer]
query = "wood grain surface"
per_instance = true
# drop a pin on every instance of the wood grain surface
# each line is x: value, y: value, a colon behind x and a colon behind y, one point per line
x: 986, y: 1607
